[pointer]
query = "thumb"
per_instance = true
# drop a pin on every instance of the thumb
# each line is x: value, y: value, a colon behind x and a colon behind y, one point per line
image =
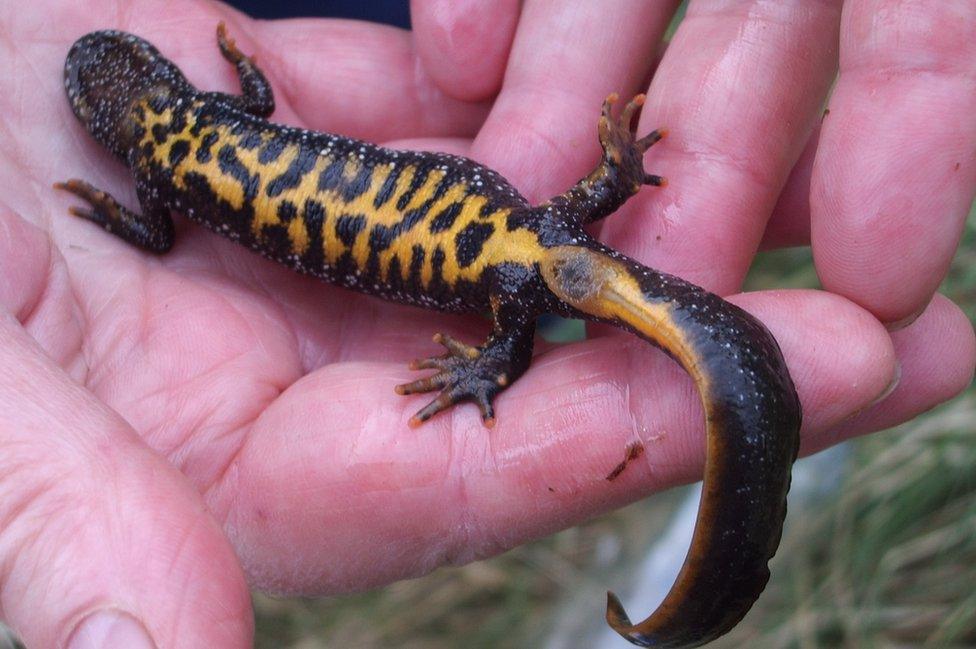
x: 102, y: 543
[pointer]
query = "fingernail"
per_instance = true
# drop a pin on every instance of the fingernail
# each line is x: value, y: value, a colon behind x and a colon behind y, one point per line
x: 895, y: 379
x: 110, y: 629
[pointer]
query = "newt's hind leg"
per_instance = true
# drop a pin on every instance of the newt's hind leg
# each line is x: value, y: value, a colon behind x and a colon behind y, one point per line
x: 623, y: 152
x: 477, y: 374
x: 620, y: 173
x: 152, y: 230
x: 257, y: 97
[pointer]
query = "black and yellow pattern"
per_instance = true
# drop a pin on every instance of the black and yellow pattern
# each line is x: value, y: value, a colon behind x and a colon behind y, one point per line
x: 325, y: 203
x: 446, y: 233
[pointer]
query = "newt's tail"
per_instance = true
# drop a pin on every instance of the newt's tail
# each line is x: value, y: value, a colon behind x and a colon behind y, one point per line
x: 752, y: 427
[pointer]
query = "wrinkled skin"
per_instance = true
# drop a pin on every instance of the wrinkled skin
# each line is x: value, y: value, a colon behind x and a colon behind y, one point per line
x: 173, y: 426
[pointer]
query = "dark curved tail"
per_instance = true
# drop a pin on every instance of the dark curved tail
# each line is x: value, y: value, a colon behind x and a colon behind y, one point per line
x: 752, y: 427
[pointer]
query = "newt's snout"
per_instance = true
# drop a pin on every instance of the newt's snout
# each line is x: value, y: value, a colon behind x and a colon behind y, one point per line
x: 84, y: 78
x: 105, y: 72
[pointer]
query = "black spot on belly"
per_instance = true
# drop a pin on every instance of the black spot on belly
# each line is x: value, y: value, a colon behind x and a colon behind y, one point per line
x: 359, y: 184
x: 444, y: 219
x: 419, y: 178
x: 217, y: 211
x: 447, y: 182
x: 382, y: 237
x: 437, y: 287
x: 275, y: 241
x: 489, y: 208
x: 293, y: 175
x: 287, y: 211
x: 204, y: 153
x: 417, y: 255
x: 178, y: 151
x: 348, y: 227
x: 314, y: 216
x: 271, y: 150
x: 386, y: 189
x: 470, y: 240
x: 231, y: 165
x: 250, y: 140
x: 331, y: 177
x: 199, y: 187
x: 202, y: 118
x: 394, y: 275
x: 159, y: 133
x: 178, y: 121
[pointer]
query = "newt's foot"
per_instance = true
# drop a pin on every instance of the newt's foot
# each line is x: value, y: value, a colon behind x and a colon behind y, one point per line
x: 623, y: 153
x: 152, y: 230
x: 104, y: 208
x: 228, y: 48
x: 465, y: 373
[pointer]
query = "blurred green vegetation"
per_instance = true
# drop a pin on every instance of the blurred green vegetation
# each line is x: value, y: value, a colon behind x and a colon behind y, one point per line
x: 888, y: 561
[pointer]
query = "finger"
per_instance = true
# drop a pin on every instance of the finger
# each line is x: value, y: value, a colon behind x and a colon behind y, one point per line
x: 789, y: 224
x: 895, y: 173
x: 566, y: 57
x: 35, y: 289
x: 346, y: 480
x: 942, y: 332
x: 376, y: 88
x: 102, y: 543
x: 741, y: 85
x: 464, y: 44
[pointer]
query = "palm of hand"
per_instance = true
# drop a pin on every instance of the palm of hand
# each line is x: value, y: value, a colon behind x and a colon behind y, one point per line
x: 273, y: 393
x: 223, y: 361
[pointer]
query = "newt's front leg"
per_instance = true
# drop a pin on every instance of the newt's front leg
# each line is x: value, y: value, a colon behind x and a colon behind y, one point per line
x: 151, y: 230
x: 478, y: 374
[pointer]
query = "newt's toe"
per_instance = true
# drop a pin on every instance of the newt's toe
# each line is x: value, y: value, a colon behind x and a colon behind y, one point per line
x: 228, y: 47
x: 627, y: 115
x: 103, y: 206
x: 651, y: 139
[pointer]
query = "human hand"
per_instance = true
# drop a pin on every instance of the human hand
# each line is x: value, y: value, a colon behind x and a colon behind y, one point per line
x: 258, y: 405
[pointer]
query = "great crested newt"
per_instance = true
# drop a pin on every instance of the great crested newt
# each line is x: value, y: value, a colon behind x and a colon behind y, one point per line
x: 443, y: 232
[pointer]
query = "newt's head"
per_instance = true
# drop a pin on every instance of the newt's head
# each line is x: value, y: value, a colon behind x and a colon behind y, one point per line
x: 106, y: 73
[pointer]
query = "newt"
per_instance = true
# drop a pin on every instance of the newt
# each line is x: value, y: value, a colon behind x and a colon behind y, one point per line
x: 443, y: 232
